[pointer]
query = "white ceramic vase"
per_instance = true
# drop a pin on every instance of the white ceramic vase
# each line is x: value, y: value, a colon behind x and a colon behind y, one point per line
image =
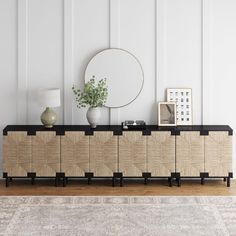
x: 93, y: 116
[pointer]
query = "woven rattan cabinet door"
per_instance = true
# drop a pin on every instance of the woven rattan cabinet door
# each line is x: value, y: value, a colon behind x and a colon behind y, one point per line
x: 46, y: 154
x: 103, y: 153
x: 161, y: 153
x: 218, y: 153
x: 132, y: 153
x: 74, y: 153
x: 17, y: 154
x: 190, y: 153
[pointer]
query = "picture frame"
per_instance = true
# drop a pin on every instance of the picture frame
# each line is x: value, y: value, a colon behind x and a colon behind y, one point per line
x: 183, y: 99
x: 167, y: 114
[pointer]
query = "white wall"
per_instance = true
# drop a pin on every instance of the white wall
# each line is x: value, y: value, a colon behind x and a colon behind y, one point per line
x: 180, y: 43
x: 8, y: 66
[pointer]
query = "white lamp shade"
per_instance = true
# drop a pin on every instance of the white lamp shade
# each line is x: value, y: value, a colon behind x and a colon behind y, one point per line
x: 49, y: 98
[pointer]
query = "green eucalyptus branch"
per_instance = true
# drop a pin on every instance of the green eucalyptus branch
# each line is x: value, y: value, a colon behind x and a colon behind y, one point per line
x: 94, y: 95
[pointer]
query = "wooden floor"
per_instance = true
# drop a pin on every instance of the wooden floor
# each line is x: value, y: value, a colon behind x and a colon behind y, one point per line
x: 103, y: 187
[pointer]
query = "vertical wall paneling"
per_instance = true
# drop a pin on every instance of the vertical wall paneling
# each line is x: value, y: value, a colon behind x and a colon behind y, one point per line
x: 68, y: 60
x: 160, y: 50
x: 202, y: 69
x: 8, y: 67
x: 91, y: 35
x: 137, y: 35
x: 205, y: 62
x: 219, y: 61
x: 114, y: 113
x: 114, y: 23
x: 22, y: 82
x: 181, y: 59
x: 46, y: 52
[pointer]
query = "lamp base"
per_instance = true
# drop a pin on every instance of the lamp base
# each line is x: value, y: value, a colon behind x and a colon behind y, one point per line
x: 48, y: 118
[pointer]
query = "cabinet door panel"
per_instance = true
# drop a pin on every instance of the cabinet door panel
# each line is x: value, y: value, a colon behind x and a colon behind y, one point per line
x: 161, y: 153
x: 46, y: 154
x: 74, y: 153
x: 190, y: 153
x: 17, y: 153
x: 103, y: 154
x: 218, y: 153
x: 132, y: 153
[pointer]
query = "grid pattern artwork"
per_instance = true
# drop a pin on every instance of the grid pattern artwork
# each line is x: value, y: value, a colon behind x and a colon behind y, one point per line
x: 183, y: 99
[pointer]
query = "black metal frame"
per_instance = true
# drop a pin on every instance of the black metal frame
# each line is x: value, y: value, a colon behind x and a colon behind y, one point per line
x: 117, y: 176
x: 32, y: 176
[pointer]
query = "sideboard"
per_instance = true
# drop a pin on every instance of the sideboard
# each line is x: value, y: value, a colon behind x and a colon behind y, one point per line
x: 65, y: 152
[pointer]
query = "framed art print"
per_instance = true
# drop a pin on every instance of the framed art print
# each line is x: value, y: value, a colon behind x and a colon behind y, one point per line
x: 183, y: 99
x: 167, y: 114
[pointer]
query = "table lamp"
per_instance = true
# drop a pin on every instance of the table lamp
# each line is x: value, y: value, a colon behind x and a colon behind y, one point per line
x: 49, y: 98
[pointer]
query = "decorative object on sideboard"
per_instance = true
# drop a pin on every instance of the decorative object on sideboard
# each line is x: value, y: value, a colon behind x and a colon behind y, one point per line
x: 167, y: 114
x: 124, y: 75
x: 183, y: 99
x: 133, y: 125
x: 95, y: 95
x: 93, y: 116
x: 49, y: 98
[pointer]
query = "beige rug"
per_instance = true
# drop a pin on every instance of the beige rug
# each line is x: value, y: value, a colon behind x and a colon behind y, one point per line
x: 172, y: 216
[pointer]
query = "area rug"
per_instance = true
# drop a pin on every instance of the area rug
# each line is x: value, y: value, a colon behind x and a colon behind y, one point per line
x: 118, y: 216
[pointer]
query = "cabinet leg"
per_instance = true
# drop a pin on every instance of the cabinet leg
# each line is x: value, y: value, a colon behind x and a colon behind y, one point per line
x: 56, y: 182
x: 121, y: 182
x: 64, y: 182
x: 202, y: 181
x: 7, y: 182
x: 89, y: 181
x: 145, y: 181
x: 113, y: 182
x: 32, y: 181
x: 228, y: 182
x: 170, y: 182
x: 225, y: 179
x: 178, y: 182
